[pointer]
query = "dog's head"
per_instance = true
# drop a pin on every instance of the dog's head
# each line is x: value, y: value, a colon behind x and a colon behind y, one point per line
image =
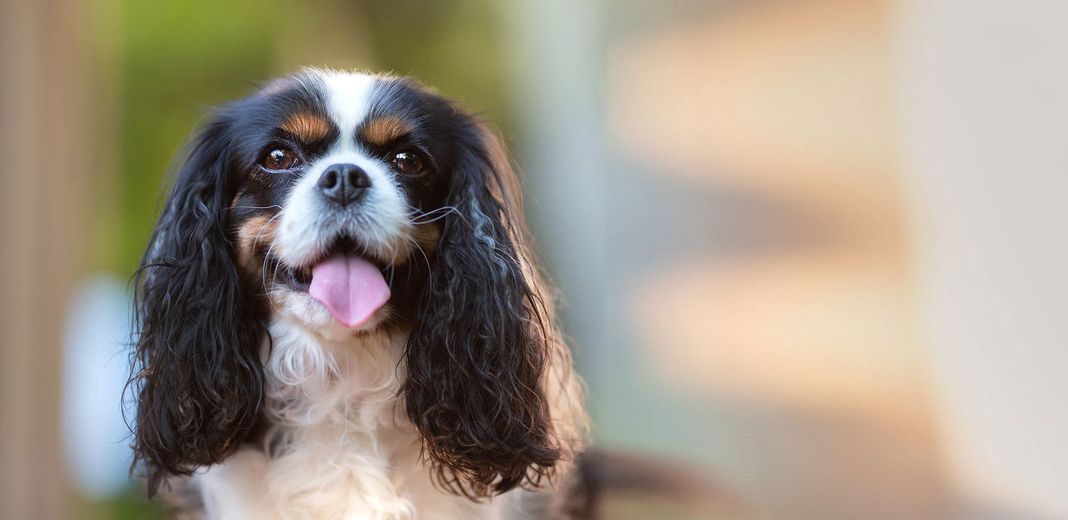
x: 347, y: 203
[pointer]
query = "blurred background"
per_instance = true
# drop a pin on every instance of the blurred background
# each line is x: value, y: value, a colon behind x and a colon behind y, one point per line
x: 813, y: 249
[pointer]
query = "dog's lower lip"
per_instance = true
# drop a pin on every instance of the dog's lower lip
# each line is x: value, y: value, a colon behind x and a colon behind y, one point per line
x: 302, y: 277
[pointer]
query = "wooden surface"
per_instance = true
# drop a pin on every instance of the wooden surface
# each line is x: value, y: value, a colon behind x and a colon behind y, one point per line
x: 43, y: 187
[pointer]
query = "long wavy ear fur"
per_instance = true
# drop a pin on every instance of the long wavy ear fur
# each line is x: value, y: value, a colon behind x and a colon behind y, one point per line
x: 482, y: 337
x: 197, y: 374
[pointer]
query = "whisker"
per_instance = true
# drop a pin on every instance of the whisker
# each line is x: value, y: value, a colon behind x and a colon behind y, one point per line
x: 266, y: 257
x: 417, y: 211
x: 263, y: 275
x: 419, y: 217
x: 422, y: 252
x: 273, y: 206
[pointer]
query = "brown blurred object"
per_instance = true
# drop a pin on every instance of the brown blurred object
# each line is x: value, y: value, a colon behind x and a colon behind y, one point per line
x: 622, y: 486
x: 43, y: 188
x: 793, y: 103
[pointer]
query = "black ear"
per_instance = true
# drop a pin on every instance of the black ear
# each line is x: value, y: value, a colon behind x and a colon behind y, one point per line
x: 197, y: 372
x: 480, y: 341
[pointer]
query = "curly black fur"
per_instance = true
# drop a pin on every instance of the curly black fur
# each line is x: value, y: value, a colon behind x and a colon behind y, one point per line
x: 198, y: 376
x: 480, y: 340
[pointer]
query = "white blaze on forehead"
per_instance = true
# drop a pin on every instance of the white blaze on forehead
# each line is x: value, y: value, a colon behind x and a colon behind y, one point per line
x: 348, y: 98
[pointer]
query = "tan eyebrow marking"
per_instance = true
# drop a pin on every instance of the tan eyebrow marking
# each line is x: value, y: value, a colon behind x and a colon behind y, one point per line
x: 383, y: 130
x: 309, y: 128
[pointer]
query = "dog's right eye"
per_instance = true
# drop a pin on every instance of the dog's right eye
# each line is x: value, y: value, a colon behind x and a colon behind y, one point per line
x: 279, y: 159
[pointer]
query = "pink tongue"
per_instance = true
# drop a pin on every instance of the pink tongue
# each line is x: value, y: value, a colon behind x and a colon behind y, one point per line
x: 351, y: 288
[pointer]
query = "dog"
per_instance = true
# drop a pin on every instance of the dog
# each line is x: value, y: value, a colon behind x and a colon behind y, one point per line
x: 339, y: 316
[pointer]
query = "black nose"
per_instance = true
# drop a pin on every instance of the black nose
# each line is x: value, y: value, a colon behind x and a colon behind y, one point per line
x: 344, y: 183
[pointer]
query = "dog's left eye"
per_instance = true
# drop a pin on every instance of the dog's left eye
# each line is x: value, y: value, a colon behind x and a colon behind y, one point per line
x: 408, y: 162
x: 278, y: 159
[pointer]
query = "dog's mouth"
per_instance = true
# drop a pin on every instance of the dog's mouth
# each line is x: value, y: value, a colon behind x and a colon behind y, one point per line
x: 344, y: 279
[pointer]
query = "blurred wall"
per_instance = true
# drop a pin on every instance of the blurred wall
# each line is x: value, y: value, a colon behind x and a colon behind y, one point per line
x: 757, y: 294
x: 985, y: 117
x: 44, y: 182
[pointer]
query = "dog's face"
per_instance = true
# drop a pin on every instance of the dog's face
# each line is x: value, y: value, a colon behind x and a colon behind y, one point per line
x: 340, y: 195
x: 346, y: 203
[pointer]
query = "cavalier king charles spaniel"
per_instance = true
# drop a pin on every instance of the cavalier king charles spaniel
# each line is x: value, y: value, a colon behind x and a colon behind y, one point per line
x: 339, y: 316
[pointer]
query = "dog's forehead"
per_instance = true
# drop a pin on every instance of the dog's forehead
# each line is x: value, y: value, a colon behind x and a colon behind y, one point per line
x: 368, y: 107
x: 348, y: 98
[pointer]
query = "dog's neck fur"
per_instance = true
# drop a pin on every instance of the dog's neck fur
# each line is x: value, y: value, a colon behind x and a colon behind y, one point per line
x: 340, y: 444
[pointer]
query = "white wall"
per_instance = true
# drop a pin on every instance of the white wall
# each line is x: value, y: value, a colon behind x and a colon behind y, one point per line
x: 985, y: 126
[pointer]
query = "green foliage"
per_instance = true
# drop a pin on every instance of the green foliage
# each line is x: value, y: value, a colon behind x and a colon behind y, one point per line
x: 457, y: 47
x: 176, y: 58
x: 132, y: 505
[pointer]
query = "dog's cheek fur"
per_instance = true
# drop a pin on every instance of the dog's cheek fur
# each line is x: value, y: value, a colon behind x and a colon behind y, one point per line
x: 254, y: 237
x: 427, y: 236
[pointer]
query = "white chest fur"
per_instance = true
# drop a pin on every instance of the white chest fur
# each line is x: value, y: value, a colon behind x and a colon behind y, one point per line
x: 345, y: 447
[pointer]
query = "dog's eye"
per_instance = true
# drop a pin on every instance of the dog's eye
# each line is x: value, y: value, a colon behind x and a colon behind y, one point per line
x: 278, y: 159
x: 408, y: 162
